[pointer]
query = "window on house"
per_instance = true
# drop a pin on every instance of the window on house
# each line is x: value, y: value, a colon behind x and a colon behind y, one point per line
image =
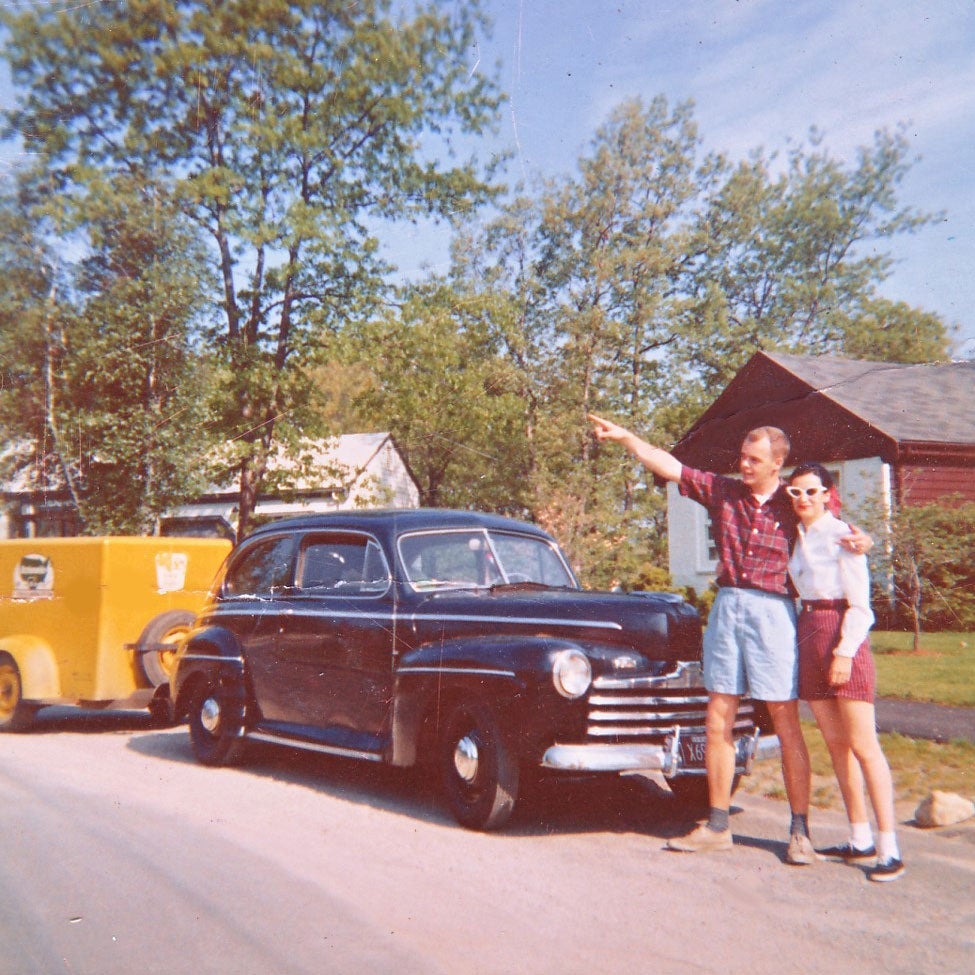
x: 45, y: 521
x: 707, y: 551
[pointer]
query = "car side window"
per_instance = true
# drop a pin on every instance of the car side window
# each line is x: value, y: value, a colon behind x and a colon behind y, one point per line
x: 528, y: 559
x: 450, y: 559
x: 341, y: 563
x: 265, y: 567
x: 375, y: 569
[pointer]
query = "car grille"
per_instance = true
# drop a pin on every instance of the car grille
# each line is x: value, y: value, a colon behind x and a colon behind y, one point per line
x: 647, y: 709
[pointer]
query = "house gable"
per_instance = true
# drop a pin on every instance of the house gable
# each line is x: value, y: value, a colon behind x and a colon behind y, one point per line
x: 764, y: 393
x: 894, y: 433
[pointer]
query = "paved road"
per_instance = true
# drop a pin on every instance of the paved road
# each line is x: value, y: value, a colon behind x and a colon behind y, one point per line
x: 918, y: 719
x: 122, y: 855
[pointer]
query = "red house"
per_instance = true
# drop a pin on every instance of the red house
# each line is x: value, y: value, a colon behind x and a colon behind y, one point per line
x: 893, y: 434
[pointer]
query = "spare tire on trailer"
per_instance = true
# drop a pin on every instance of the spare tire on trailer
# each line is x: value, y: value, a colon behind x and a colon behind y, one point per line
x: 157, y: 644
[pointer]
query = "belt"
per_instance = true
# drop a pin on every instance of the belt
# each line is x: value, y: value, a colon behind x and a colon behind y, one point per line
x: 767, y: 592
x: 812, y: 604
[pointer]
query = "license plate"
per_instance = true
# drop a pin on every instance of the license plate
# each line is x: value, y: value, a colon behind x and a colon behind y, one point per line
x: 692, y: 751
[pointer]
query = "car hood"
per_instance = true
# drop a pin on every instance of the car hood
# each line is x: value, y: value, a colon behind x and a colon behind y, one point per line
x: 660, y: 626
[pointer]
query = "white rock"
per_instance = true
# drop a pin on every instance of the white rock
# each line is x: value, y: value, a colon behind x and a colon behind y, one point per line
x: 943, y: 809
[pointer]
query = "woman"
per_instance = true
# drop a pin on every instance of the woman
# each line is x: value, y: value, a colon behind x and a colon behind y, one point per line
x: 836, y: 670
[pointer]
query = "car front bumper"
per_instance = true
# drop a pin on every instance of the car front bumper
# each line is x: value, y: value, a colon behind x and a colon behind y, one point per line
x: 665, y: 757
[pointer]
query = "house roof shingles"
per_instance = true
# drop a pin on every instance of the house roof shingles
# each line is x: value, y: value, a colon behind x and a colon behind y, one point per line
x: 837, y: 409
x: 928, y: 402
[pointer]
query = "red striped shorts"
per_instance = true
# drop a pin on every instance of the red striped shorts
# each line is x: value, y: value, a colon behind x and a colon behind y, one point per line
x: 818, y: 632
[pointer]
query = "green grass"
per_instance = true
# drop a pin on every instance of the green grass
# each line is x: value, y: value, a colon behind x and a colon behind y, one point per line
x: 942, y: 670
x: 918, y: 767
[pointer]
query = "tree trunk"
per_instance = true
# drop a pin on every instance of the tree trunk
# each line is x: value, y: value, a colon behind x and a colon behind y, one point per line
x: 916, y: 605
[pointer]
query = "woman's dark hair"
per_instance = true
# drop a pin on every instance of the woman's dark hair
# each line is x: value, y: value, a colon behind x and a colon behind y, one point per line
x: 811, y: 467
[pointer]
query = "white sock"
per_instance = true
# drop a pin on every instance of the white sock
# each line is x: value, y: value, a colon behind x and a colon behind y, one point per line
x: 887, y: 848
x: 861, y: 836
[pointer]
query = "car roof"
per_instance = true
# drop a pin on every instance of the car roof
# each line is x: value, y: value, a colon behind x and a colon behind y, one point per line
x: 400, y: 520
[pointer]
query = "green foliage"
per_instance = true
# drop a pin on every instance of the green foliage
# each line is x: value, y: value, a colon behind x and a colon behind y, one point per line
x: 930, y: 556
x: 787, y: 258
x: 284, y: 131
x: 286, y: 135
x: 32, y: 278
x: 133, y: 401
x: 888, y: 331
x: 438, y: 385
x: 103, y: 392
x: 701, y: 601
x: 638, y: 286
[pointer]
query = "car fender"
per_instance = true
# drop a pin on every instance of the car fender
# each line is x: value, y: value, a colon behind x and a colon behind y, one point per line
x: 40, y: 678
x: 504, y: 671
x: 209, y: 655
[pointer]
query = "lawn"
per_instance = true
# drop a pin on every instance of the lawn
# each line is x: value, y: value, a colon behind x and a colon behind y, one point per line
x: 943, y: 670
x: 918, y: 767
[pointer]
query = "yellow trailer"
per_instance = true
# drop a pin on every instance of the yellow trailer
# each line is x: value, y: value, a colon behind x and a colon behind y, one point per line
x: 95, y: 621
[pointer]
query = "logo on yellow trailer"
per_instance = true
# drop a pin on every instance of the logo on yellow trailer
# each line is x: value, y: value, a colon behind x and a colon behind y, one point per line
x: 171, y: 571
x: 34, y: 578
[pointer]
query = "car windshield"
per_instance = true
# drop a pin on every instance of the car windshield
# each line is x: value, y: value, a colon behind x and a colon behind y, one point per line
x: 475, y: 559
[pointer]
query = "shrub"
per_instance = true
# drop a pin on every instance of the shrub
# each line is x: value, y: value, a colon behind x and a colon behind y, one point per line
x: 930, y: 565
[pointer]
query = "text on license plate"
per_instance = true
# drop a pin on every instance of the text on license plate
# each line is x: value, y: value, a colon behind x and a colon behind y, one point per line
x: 692, y: 751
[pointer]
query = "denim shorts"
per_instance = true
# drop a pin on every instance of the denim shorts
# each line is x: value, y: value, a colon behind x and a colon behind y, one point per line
x: 750, y: 646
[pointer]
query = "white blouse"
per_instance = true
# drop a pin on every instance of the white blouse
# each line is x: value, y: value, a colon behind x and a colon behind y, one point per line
x: 821, y: 569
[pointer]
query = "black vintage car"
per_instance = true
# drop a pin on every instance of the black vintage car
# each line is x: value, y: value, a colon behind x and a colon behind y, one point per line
x: 448, y: 637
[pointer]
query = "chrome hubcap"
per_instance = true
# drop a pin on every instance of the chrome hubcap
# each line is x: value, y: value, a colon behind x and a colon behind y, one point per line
x: 210, y: 715
x: 466, y: 758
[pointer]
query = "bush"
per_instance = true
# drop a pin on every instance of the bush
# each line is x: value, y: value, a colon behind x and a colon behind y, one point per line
x: 931, y: 562
x: 655, y: 579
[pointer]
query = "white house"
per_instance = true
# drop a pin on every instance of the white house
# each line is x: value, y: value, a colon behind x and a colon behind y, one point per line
x: 352, y: 470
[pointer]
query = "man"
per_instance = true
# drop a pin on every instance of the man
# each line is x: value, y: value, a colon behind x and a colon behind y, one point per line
x: 750, y: 639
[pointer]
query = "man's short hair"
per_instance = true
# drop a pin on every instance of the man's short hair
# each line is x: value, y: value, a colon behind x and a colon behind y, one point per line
x: 777, y: 439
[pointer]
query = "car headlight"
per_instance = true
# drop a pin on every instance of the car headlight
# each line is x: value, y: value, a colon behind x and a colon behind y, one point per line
x: 571, y: 673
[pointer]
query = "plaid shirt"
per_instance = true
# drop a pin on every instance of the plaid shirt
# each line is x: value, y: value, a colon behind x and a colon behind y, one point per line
x: 753, y: 540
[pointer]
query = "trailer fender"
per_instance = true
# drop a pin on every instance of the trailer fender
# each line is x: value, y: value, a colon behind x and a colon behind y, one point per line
x: 39, y: 676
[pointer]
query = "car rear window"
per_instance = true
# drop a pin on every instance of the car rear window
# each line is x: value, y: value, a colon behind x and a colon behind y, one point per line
x: 262, y: 568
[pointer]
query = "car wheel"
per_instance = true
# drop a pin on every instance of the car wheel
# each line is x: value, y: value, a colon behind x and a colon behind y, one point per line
x: 692, y: 790
x: 478, y: 771
x: 167, y: 628
x: 216, y: 722
x: 16, y: 714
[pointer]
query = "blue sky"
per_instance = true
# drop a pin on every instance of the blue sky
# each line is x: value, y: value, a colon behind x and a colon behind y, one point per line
x: 761, y: 73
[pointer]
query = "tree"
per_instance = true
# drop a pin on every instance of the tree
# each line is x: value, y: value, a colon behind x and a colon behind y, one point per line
x: 439, y: 385
x: 591, y: 271
x: 930, y: 554
x: 285, y: 132
x: 640, y: 284
x: 889, y: 331
x: 134, y: 398
x: 792, y: 261
x: 31, y: 347
x: 102, y: 392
